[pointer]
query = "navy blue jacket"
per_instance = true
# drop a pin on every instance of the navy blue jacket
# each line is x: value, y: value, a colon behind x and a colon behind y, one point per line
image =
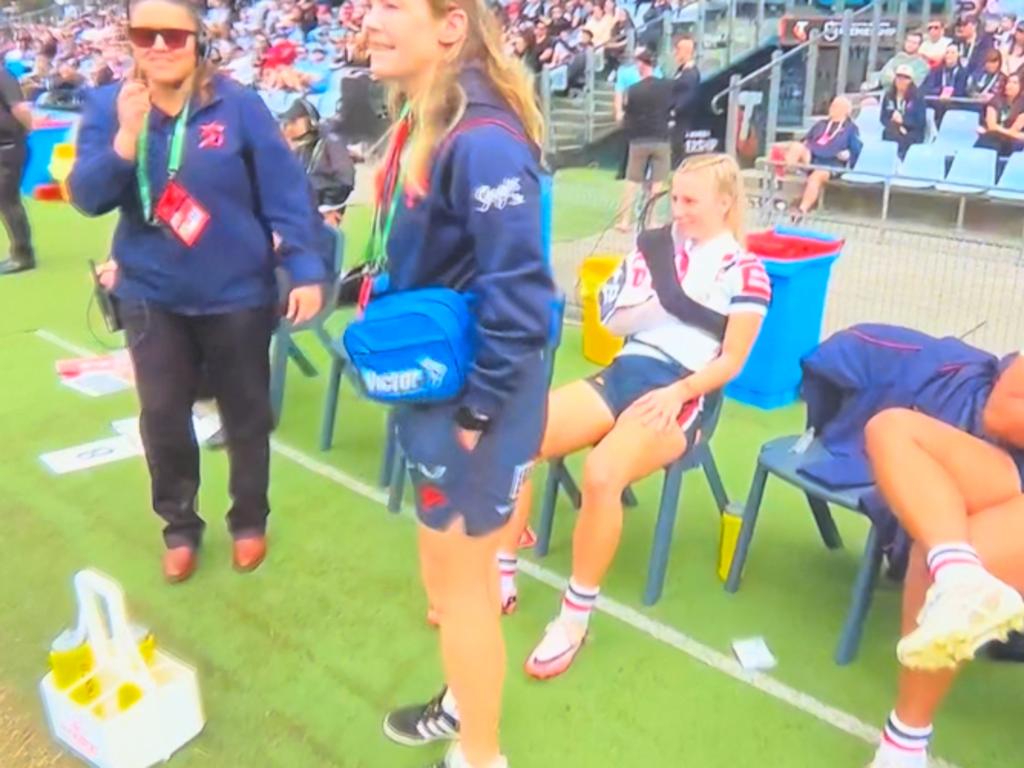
x: 915, y: 114
x: 239, y: 168
x: 868, y: 368
x: 478, y: 229
x: 945, y: 77
x: 847, y: 139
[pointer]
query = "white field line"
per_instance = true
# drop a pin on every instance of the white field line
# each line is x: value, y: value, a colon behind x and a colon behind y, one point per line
x: 640, y: 622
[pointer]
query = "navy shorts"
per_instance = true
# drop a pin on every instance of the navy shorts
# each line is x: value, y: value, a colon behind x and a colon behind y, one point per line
x: 630, y: 377
x: 480, y: 486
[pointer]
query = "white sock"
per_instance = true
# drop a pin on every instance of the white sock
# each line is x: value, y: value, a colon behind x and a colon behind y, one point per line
x: 456, y: 759
x: 903, y: 744
x: 448, y: 704
x: 953, y: 560
x: 507, y: 567
x: 578, y: 602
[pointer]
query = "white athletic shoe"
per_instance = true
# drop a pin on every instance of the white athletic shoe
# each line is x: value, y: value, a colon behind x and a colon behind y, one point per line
x: 554, y: 655
x: 884, y: 761
x: 958, y: 618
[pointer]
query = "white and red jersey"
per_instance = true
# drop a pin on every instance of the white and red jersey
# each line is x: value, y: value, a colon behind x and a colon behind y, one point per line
x: 718, y: 273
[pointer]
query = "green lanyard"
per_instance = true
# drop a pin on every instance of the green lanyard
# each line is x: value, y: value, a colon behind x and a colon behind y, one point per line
x: 380, y: 233
x: 174, y: 157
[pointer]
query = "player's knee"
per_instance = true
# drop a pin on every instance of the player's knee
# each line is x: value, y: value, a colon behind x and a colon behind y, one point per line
x: 601, y: 478
x: 886, y: 427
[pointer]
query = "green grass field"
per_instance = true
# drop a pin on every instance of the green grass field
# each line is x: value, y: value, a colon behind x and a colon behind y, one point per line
x: 299, y: 661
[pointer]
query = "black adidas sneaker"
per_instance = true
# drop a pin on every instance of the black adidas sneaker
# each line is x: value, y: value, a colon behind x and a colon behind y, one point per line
x: 421, y: 724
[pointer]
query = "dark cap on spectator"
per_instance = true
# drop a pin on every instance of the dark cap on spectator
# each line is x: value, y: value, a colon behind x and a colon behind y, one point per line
x: 646, y: 55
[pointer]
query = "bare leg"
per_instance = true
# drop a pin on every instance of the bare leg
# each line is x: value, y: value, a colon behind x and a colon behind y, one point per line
x: 577, y: 417
x: 934, y: 476
x: 812, y: 190
x: 629, y: 452
x: 460, y: 573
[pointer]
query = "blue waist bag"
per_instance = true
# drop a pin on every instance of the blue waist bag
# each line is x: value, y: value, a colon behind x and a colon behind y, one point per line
x: 413, y: 346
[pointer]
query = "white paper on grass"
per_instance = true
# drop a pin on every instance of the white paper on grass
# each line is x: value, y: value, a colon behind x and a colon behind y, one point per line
x: 90, y: 455
x: 753, y: 654
x: 205, y: 425
x: 96, y: 384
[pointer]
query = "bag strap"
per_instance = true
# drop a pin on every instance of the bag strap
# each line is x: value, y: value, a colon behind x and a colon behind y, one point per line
x: 658, y: 249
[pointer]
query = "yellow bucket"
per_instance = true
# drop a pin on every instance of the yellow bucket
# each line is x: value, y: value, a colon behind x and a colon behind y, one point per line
x: 732, y: 523
x: 599, y: 346
x: 61, y: 162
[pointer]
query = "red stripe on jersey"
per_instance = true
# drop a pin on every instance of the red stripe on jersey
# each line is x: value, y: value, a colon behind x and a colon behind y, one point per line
x: 755, y: 281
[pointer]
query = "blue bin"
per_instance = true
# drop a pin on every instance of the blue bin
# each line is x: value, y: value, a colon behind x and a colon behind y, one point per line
x: 40, y: 151
x: 798, y: 263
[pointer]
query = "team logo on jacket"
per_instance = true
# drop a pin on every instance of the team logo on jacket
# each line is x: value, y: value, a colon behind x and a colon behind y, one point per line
x: 211, y: 135
x: 508, y: 194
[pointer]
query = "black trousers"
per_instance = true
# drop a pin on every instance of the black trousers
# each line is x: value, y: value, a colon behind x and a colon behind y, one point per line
x: 12, y: 165
x: 173, y: 356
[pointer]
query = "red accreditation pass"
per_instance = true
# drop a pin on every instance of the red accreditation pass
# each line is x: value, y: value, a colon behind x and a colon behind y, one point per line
x: 180, y: 213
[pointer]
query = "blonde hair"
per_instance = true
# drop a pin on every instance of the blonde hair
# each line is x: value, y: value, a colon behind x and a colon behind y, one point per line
x: 442, y: 104
x: 723, y: 173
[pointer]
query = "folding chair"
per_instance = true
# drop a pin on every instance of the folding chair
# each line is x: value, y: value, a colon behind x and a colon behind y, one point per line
x: 783, y: 458
x: 697, y: 455
x: 284, y: 347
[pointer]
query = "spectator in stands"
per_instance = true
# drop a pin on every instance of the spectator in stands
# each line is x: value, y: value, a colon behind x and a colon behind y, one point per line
x: 959, y: 498
x: 1013, y: 52
x: 935, y: 43
x: 904, y: 113
x: 577, y: 67
x: 948, y: 81
x: 558, y: 23
x: 685, y: 89
x: 1003, y: 126
x: 833, y: 142
x: 910, y: 57
x: 1004, y: 33
x: 600, y: 25
x: 615, y: 50
x: 544, y: 49
x: 15, y: 124
x: 649, y: 34
x: 973, y: 45
x: 987, y: 83
x: 647, y: 110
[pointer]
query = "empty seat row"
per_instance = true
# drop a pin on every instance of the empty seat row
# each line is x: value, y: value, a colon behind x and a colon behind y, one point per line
x: 973, y: 170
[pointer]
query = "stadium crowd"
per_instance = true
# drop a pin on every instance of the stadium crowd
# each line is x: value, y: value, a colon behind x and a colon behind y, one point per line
x: 286, y: 47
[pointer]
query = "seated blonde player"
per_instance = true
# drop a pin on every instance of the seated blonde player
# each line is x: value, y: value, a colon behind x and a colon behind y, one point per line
x: 644, y: 410
x: 960, y: 499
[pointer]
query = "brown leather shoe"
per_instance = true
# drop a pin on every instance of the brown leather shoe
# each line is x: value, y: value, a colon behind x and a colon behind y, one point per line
x: 179, y: 564
x: 249, y: 553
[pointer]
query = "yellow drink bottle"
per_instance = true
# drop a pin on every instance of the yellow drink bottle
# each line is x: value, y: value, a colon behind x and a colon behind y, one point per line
x: 71, y: 657
x: 732, y: 522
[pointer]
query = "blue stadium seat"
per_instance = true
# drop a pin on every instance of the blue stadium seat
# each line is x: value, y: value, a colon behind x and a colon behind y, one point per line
x: 1011, y: 183
x: 869, y: 122
x: 972, y: 172
x: 878, y: 160
x: 959, y: 130
x: 922, y: 168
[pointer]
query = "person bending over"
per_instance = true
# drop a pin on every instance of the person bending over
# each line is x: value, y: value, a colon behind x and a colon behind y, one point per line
x: 959, y: 498
x: 647, y: 408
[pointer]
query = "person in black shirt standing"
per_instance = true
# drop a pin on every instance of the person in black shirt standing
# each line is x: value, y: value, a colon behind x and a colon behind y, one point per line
x: 15, y: 123
x: 684, y: 94
x: 648, y: 105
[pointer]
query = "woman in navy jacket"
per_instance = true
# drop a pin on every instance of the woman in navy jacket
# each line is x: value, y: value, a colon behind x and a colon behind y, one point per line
x: 946, y: 81
x: 463, y: 182
x: 203, y: 180
x: 903, y: 111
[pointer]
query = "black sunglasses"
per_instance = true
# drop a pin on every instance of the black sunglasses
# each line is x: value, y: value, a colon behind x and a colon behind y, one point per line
x: 174, y: 39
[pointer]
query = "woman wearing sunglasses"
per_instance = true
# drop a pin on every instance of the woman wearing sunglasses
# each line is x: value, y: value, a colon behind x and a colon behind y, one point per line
x: 203, y: 181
